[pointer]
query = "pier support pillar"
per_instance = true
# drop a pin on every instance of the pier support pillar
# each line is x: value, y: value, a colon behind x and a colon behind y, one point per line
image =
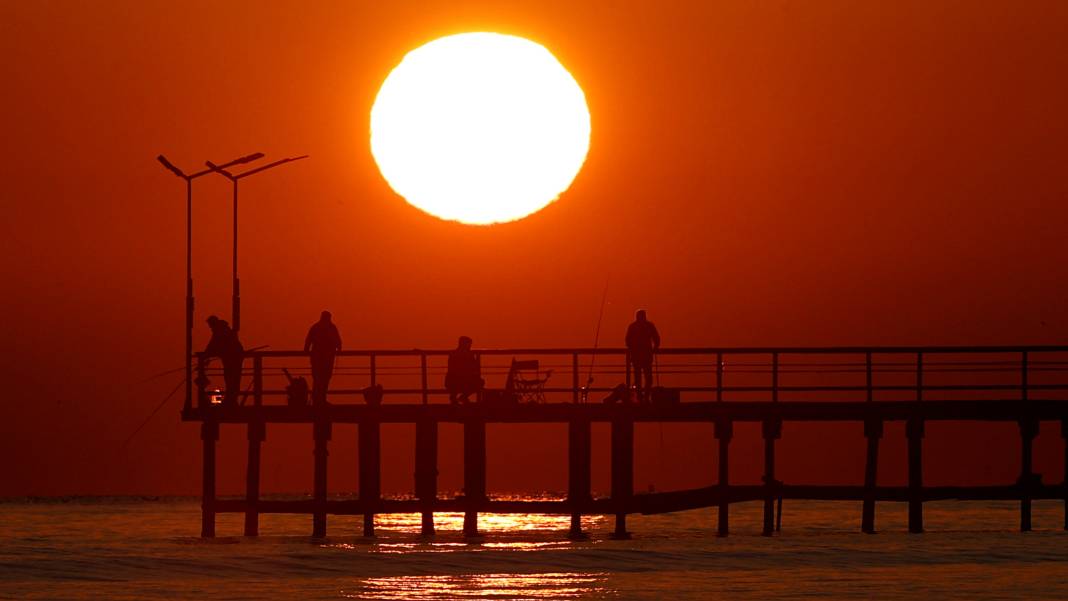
x: 1064, y: 482
x: 724, y: 433
x: 257, y: 433
x: 474, y: 472
x: 772, y: 431
x: 209, y: 434
x: 321, y: 431
x: 622, y: 471
x: 873, y: 431
x: 370, y: 472
x: 914, y: 431
x: 426, y: 470
x: 1028, y: 432
x: 578, y: 486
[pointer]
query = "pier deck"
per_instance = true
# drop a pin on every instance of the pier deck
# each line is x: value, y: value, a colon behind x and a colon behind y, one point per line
x: 866, y: 386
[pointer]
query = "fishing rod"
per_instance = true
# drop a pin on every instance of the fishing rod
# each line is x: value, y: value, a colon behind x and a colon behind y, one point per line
x: 596, y: 340
x: 176, y: 369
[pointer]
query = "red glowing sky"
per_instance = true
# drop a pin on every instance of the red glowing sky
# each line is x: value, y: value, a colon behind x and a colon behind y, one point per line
x: 779, y: 173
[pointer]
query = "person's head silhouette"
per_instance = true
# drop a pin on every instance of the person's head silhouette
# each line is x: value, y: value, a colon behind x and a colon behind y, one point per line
x: 214, y: 322
x: 325, y: 317
x: 465, y: 343
x: 640, y: 315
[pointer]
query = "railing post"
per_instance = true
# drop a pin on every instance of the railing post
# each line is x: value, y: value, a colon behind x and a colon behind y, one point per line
x: 919, y: 376
x: 575, y: 378
x: 719, y: 377
x: 257, y: 380
x: 724, y: 429
x: 202, y: 382
x: 374, y: 370
x: 1023, y: 376
x: 209, y: 434
x: 370, y: 471
x: 870, y: 388
x: 257, y: 433
x: 775, y: 377
x: 772, y: 431
x: 423, y: 373
x: 426, y: 470
x: 321, y: 432
x: 914, y: 431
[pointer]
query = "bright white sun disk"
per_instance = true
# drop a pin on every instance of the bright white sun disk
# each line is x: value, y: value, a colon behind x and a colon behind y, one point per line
x: 480, y: 128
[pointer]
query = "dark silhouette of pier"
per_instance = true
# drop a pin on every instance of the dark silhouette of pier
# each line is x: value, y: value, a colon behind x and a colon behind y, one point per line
x: 867, y: 386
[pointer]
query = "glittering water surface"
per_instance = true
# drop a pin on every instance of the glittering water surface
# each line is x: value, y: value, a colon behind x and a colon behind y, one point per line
x: 126, y: 549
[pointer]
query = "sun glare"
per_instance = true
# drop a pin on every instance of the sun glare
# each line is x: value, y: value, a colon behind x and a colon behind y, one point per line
x: 480, y: 128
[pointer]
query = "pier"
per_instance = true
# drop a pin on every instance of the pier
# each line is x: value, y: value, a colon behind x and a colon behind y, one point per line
x: 779, y: 388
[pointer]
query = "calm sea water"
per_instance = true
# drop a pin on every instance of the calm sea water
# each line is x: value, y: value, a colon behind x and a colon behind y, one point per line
x: 136, y: 549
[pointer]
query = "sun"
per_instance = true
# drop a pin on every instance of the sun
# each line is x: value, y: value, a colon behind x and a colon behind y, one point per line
x: 480, y: 128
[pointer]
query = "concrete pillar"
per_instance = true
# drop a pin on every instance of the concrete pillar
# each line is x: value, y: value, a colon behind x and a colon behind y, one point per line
x: 209, y: 434
x: 257, y: 433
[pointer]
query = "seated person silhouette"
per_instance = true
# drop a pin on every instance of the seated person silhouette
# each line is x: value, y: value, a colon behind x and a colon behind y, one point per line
x: 464, y: 375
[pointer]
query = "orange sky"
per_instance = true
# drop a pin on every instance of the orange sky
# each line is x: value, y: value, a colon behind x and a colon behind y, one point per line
x: 780, y: 173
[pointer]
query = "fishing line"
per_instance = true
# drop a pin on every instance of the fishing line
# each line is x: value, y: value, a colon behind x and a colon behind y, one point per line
x: 596, y: 340
x: 154, y: 412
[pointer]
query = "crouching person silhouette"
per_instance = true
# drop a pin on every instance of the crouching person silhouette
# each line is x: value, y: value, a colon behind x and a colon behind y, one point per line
x: 464, y: 375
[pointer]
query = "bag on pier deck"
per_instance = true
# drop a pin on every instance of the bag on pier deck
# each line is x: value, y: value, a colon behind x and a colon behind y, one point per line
x: 296, y: 391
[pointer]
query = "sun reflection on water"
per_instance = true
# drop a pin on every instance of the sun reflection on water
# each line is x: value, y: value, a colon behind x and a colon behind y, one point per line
x: 399, y: 533
x: 553, y: 585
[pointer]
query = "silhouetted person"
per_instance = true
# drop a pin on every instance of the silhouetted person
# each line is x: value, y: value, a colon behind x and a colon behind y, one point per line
x: 464, y: 375
x: 225, y: 345
x: 323, y: 342
x: 642, y: 343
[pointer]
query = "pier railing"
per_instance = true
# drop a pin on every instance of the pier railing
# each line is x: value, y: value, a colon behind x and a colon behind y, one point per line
x: 704, y: 374
x: 869, y: 386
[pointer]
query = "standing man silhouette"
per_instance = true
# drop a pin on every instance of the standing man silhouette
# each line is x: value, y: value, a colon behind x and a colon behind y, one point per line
x: 642, y: 343
x: 323, y: 342
x: 225, y: 345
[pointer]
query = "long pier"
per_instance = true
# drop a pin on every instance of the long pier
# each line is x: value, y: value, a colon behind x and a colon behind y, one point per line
x: 868, y: 386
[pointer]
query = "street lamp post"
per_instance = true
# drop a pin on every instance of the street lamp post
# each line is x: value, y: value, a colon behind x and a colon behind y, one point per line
x: 189, y: 259
x: 234, y: 179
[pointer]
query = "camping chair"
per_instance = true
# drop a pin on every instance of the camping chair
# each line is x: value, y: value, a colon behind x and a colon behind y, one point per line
x: 526, y: 382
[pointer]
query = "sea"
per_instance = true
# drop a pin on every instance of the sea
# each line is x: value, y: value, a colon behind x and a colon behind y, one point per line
x: 149, y: 548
